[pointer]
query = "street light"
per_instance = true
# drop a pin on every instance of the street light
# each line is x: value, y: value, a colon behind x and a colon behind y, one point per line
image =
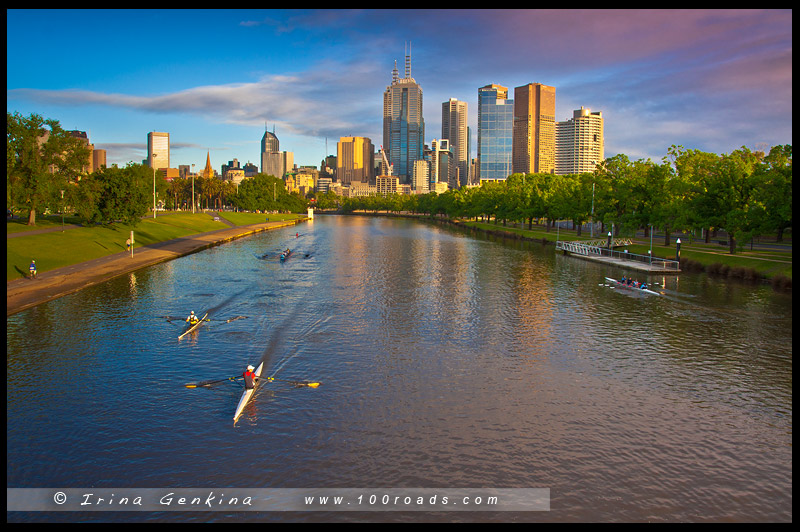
x: 192, y: 189
x: 153, y: 159
x: 62, y: 211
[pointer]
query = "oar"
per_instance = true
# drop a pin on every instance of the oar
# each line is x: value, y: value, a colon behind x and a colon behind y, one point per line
x: 296, y: 383
x: 208, y: 383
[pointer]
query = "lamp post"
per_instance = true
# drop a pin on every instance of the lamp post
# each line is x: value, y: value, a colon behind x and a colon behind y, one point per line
x: 192, y: 189
x: 62, y: 211
x: 678, y: 250
x: 153, y: 159
x: 592, y: 226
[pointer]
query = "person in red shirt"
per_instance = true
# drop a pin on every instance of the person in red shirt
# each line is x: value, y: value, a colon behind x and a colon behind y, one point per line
x: 249, y: 377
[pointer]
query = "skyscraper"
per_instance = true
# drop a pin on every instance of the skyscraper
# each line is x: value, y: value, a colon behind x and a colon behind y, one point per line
x: 580, y: 145
x: 495, y: 132
x: 534, y: 129
x: 403, y: 125
x: 158, y: 144
x: 454, y: 129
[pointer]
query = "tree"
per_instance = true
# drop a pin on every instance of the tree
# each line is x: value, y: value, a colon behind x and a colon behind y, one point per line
x: 774, y: 193
x: 41, y: 160
x: 126, y: 194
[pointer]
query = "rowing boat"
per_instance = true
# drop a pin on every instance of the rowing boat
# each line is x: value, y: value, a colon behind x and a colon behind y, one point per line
x: 285, y: 255
x: 193, y: 327
x: 248, y: 393
x: 623, y: 285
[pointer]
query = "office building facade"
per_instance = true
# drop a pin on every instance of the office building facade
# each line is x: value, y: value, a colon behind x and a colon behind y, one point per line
x: 495, y: 132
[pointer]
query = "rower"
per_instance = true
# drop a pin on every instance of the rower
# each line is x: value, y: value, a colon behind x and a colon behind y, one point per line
x: 192, y: 319
x: 249, y: 377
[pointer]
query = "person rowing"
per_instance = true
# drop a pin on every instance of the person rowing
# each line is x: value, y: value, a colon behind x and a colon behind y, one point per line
x: 192, y: 319
x: 249, y: 377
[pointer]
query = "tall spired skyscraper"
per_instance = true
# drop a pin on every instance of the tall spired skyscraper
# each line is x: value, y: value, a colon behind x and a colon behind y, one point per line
x: 403, y: 125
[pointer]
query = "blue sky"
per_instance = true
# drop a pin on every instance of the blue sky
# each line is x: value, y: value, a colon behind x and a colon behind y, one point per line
x: 711, y: 80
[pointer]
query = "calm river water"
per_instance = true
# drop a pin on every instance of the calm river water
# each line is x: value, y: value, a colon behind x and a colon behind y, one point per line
x: 447, y: 360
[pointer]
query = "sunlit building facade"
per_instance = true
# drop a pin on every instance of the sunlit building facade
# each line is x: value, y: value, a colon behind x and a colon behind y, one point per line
x: 355, y: 160
x: 534, y: 129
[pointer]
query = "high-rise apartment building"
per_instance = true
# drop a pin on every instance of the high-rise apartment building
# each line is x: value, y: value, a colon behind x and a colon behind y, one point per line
x: 580, y: 146
x: 403, y: 125
x: 495, y: 132
x: 534, y: 129
x: 355, y: 160
x: 158, y: 150
x: 454, y: 129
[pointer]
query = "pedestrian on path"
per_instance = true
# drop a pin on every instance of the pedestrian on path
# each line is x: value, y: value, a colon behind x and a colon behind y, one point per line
x: 32, y: 269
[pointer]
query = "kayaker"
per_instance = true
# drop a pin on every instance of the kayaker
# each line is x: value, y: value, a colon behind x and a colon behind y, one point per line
x: 192, y: 319
x: 32, y: 269
x: 249, y: 377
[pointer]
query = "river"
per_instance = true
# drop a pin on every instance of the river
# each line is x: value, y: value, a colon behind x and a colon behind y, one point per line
x: 446, y: 359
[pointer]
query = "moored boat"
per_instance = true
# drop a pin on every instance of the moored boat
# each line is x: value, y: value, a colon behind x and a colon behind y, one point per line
x: 248, y: 393
x: 194, y: 326
x: 630, y: 286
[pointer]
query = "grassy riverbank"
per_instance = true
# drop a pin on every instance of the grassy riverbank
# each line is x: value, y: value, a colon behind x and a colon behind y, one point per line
x: 55, y: 249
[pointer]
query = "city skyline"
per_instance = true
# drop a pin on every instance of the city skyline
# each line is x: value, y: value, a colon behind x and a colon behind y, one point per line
x: 709, y: 80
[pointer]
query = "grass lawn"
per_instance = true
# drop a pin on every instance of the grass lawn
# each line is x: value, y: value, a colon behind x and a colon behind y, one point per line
x: 58, y: 249
x: 247, y: 218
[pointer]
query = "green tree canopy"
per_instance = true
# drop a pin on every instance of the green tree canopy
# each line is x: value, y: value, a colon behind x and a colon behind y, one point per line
x: 41, y: 160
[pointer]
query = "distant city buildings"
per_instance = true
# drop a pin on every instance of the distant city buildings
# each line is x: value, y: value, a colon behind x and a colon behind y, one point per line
x: 518, y: 135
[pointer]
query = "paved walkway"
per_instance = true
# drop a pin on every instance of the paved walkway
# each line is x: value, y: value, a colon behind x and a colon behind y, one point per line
x: 22, y: 294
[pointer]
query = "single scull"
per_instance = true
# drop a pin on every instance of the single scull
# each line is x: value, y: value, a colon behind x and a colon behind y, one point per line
x: 248, y: 393
x: 193, y: 327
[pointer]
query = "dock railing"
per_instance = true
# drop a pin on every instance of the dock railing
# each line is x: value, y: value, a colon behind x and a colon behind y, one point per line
x: 599, y: 248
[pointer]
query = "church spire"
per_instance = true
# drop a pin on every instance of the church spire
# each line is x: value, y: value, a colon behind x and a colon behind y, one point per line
x: 208, y: 173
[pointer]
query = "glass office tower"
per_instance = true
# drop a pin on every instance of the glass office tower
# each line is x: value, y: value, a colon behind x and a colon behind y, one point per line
x: 495, y: 132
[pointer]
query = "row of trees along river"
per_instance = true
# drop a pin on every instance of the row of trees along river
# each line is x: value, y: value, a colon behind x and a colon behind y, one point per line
x: 746, y: 193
